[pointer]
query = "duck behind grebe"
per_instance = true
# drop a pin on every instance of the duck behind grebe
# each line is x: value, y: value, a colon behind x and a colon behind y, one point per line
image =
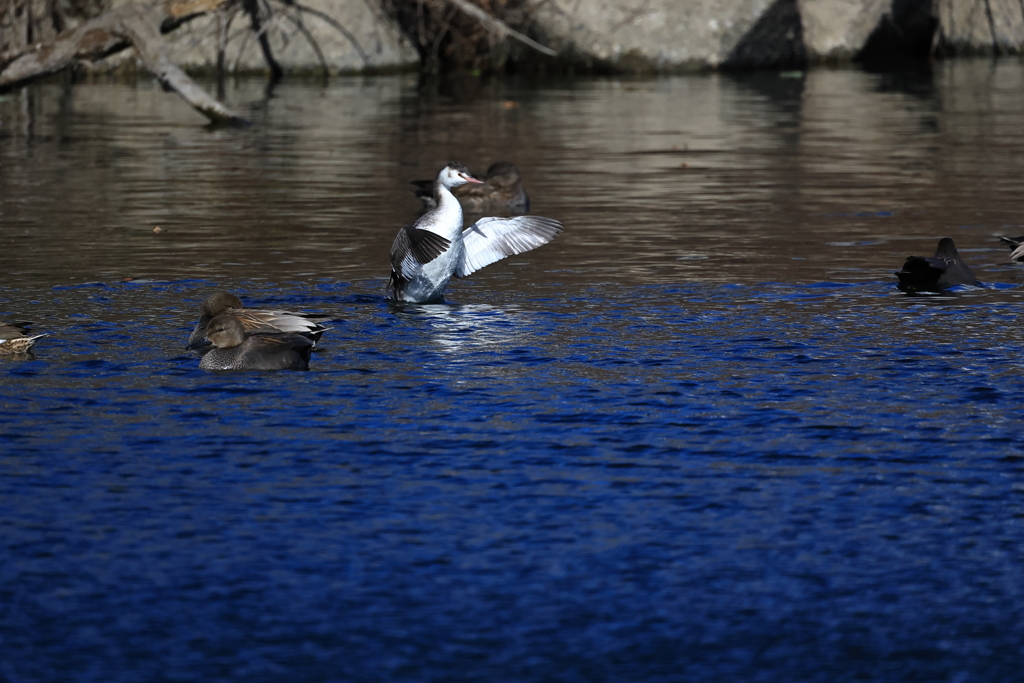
x: 426, y: 254
x: 501, y: 191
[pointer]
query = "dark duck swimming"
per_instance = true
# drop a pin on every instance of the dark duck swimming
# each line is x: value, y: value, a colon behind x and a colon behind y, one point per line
x: 428, y: 253
x: 233, y: 348
x: 935, y: 273
x: 501, y: 191
x: 257, y: 319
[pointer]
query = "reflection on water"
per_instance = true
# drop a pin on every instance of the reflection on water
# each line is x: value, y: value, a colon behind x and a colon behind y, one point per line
x: 835, y: 176
x: 480, y: 328
x: 700, y: 436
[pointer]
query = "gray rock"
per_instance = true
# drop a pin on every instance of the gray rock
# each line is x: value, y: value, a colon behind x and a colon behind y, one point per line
x: 838, y: 29
x: 674, y: 35
x: 655, y: 34
x: 622, y: 35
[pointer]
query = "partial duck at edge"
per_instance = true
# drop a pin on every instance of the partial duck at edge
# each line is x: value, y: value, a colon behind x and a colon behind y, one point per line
x: 1016, y: 245
x: 14, y: 338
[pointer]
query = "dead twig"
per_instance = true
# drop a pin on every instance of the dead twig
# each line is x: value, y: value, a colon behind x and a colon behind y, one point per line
x: 223, y: 27
x: 334, y: 23
x: 992, y: 28
x: 497, y: 26
x: 435, y: 50
x: 312, y: 43
x: 252, y: 8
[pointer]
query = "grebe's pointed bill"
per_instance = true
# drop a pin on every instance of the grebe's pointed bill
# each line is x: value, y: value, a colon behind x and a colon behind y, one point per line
x: 455, y: 174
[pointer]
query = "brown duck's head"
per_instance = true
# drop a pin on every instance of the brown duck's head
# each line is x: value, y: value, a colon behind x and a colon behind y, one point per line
x: 219, y: 302
x: 224, y: 331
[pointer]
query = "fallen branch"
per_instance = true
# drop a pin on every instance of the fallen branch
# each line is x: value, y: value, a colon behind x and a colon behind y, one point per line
x: 92, y: 40
x: 497, y: 26
x: 136, y: 24
x: 142, y: 27
x: 8, y: 56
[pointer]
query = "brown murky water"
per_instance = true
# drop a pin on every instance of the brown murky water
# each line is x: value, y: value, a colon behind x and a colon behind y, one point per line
x: 832, y: 175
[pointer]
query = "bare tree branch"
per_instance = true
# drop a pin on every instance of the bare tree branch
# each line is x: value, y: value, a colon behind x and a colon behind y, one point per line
x: 252, y: 8
x: 992, y: 27
x: 8, y: 56
x: 91, y: 40
x: 312, y: 43
x: 497, y: 26
x: 435, y: 56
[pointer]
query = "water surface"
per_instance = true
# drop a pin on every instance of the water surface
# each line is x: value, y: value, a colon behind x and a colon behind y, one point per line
x: 701, y: 436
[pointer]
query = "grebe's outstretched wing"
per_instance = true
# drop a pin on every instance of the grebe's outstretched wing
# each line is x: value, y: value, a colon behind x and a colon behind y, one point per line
x: 492, y: 239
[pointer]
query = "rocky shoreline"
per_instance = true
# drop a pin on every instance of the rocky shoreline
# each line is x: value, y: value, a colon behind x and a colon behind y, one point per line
x: 597, y: 36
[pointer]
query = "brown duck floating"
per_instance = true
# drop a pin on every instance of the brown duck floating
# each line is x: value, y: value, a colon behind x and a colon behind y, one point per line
x: 236, y: 349
x: 14, y: 338
x: 308, y: 325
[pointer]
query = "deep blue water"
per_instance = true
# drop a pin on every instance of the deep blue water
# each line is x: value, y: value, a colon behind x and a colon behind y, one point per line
x: 808, y: 483
x: 699, y: 437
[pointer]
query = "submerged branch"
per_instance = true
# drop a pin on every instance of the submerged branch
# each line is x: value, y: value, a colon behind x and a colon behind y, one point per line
x: 252, y: 9
x: 142, y: 28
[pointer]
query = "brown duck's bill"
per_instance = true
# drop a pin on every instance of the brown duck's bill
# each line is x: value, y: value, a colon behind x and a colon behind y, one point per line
x: 199, y: 344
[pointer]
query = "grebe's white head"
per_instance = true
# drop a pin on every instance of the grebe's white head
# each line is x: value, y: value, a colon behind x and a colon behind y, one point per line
x: 454, y: 175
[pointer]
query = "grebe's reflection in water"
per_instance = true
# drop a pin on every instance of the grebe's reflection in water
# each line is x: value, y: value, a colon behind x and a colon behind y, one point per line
x: 467, y: 329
